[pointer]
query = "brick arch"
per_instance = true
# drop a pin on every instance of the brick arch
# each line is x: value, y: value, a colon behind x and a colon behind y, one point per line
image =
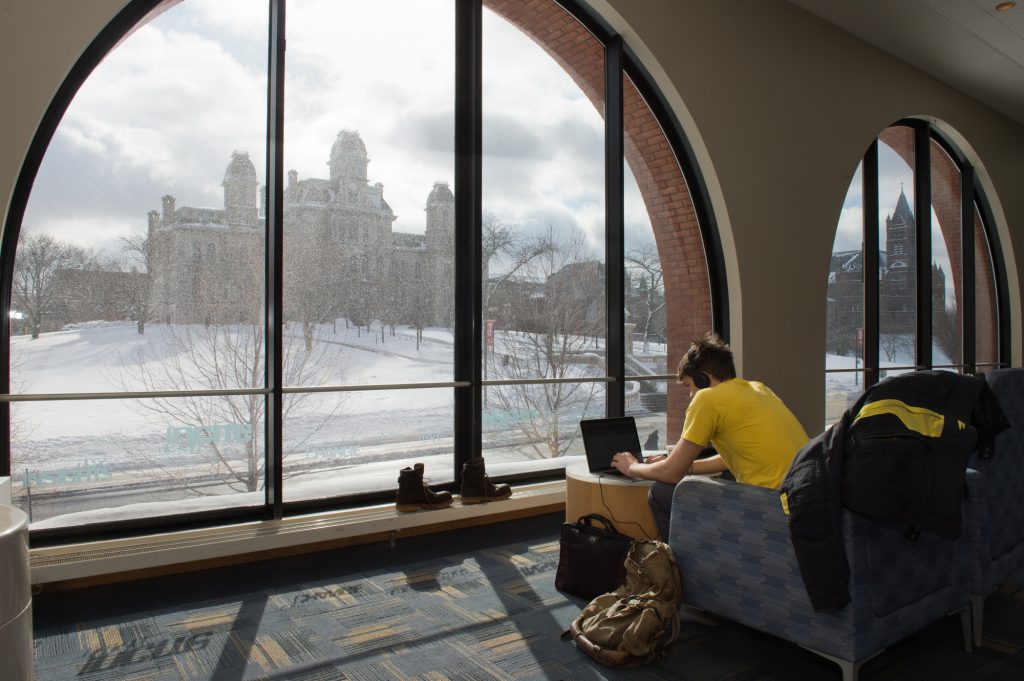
x: 946, y: 202
x: 659, y: 176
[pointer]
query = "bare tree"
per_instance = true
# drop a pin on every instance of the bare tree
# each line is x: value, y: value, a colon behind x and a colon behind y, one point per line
x: 503, y: 244
x: 644, y: 265
x: 225, y: 432
x: 418, y: 311
x: 891, y: 344
x: 137, y: 247
x: 39, y: 260
x: 552, y: 344
x: 389, y: 296
x: 310, y: 285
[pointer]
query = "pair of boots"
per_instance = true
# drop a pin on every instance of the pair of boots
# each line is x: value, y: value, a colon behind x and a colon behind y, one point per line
x: 414, y: 495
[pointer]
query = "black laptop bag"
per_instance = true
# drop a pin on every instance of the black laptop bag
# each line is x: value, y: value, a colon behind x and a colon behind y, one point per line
x: 591, y: 559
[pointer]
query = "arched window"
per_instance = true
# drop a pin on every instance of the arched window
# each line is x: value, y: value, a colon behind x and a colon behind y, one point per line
x: 210, y: 314
x: 915, y: 280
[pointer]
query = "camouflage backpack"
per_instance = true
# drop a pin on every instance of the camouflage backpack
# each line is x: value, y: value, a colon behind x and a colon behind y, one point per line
x: 635, y: 623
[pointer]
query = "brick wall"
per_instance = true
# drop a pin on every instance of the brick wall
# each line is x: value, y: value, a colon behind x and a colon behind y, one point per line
x: 655, y: 166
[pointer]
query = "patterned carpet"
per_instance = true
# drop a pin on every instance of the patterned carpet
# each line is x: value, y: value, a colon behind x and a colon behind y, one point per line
x: 470, y: 605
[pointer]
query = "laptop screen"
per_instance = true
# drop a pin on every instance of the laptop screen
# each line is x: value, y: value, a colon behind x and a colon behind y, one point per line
x: 603, y: 438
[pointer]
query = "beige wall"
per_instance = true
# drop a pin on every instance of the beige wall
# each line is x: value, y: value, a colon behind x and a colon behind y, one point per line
x: 778, y: 105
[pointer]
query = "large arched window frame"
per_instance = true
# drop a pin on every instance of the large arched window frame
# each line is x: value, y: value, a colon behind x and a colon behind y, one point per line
x: 623, y: 77
x: 917, y: 143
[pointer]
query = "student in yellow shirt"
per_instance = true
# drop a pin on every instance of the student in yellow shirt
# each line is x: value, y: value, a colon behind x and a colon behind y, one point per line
x: 755, y: 435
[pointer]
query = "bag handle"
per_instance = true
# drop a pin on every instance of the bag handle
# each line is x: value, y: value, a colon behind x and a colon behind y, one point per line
x: 587, y: 520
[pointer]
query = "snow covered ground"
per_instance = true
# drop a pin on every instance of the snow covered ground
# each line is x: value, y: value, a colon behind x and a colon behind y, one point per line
x: 93, y: 460
x: 843, y: 388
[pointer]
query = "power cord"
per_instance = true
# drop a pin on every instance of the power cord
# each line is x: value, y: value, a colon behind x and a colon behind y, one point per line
x: 600, y: 488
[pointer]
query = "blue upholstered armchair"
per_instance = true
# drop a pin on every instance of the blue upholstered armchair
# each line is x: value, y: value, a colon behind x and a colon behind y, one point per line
x: 732, y: 545
x: 996, y: 507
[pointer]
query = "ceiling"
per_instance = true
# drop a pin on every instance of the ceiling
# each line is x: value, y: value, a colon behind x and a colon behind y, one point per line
x: 965, y: 43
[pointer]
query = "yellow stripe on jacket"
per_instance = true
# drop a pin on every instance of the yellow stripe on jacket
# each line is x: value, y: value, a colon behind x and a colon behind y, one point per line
x: 918, y: 419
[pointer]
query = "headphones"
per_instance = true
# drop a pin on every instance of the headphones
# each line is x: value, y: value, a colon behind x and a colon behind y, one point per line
x: 700, y: 379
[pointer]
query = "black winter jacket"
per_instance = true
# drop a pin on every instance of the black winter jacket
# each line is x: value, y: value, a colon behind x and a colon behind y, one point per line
x: 900, y: 453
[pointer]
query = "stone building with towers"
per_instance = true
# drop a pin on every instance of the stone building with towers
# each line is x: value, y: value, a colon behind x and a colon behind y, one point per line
x: 897, y: 283
x: 341, y: 255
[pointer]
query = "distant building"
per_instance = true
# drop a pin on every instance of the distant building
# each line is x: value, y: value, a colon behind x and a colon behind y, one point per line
x: 578, y: 289
x: 897, y: 284
x: 341, y: 257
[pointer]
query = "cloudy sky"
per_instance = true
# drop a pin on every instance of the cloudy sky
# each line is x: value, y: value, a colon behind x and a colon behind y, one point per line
x: 165, y: 110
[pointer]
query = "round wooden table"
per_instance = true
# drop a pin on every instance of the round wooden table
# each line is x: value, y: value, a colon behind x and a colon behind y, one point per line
x: 621, y: 500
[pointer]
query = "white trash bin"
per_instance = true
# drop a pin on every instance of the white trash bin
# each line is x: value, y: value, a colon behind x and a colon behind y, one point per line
x: 15, y: 597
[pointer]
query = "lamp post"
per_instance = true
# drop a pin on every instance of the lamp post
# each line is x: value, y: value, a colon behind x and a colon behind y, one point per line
x: 19, y: 316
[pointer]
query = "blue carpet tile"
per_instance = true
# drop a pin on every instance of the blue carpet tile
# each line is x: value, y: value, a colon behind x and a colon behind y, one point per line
x: 469, y: 605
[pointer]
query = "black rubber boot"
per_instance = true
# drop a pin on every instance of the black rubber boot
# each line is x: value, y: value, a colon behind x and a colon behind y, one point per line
x: 477, y: 487
x: 414, y: 495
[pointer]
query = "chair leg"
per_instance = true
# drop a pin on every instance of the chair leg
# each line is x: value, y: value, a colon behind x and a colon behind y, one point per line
x: 977, y: 617
x: 965, y: 627
x: 850, y: 668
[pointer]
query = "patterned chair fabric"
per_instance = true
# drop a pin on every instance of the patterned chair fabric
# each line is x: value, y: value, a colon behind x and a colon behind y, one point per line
x: 733, y: 548
x: 996, y: 509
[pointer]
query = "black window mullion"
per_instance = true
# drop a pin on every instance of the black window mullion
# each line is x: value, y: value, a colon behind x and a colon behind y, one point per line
x: 869, y: 179
x: 923, y: 211
x: 968, y: 307
x: 274, y: 259
x: 467, y: 341
x: 614, y: 158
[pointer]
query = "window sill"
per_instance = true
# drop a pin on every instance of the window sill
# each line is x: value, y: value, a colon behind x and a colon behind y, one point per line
x: 88, y: 564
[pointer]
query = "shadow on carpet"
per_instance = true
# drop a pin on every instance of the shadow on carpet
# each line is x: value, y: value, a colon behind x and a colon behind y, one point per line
x: 471, y: 605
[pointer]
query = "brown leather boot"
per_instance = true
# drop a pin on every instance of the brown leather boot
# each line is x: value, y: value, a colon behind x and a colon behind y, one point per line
x: 477, y: 486
x: 413, y: 493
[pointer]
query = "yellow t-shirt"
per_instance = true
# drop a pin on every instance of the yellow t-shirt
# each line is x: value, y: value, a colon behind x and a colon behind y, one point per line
x: 755, y: 433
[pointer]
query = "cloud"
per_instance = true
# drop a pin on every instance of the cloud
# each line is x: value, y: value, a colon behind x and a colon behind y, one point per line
x: 169, y: 107
x: 163, y: 112
x: 241, y: 18
x: 894, y: 175
x: 98, y: 232
x: 850, y: 231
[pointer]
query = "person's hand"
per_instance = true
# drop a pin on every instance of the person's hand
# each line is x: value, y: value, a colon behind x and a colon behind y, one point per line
x: 655, y: 457
x: 622, y: 461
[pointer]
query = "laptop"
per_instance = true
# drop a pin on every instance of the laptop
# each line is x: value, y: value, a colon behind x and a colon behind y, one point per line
x: 604, y: 438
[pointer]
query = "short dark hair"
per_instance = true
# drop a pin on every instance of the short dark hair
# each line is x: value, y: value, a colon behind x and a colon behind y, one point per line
x: 710, y: 355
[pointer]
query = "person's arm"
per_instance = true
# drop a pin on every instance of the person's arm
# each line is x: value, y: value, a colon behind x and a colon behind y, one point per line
x: 680, y: 462
x: 709, y: 466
